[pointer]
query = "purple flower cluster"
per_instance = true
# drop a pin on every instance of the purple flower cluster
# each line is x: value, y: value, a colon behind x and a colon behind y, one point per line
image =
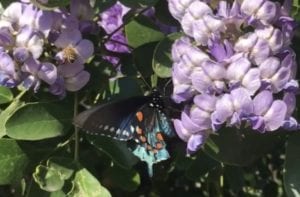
x: 45, y: 46
x: 234, y: 65
x: 112, y: 19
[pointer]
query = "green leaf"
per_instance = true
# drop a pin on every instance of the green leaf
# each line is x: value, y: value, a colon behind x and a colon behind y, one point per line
x: 13, y: 161
x: 35, y: 190
x: 163, y: 14
x: 138, y: 3
x: 162, y: 60
x: 201, y: 165
x: 52, y: 176
x: 85, y: 184
x: 241, y: 148
x: 37, y: 121
x: 4, y: 4
x: 234, y: 177
x: 104, y: 4
x: 6, y: 95
x: 291, y: 168
x: 51, y: 5
x: 142, y: 30
x: 181, y: 161
x: 64, y: 166
x: 116, y: 150
x: 125, y: 179
x: 48, y: 179
x: 143, y: 58
x: 7, y: 113
x: 125, y: 87
x: 296, y: 10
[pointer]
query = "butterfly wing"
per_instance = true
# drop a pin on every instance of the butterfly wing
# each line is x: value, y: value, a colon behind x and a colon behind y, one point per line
x: 137, y: 118
x: 112, y: 119
x: 150, y: 126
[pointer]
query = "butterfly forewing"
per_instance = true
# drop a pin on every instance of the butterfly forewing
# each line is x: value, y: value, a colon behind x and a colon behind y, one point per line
x: 111, y: 119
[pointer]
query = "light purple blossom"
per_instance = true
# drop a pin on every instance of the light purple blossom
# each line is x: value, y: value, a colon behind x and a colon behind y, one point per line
x: 8, y: 76
x: 37, y: 72
x: 31, y: 41
x: 75, y: 77
x: 28, y: 38
x: 74, y: 48
x: 243, y: 74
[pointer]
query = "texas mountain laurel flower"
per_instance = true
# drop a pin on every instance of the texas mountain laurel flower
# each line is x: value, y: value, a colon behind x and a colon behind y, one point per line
x: 39, y: 47
x: 234, y: 65
x: 111, y: 20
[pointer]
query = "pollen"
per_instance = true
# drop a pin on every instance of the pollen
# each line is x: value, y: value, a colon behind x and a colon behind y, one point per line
x: 139, y: 116
x: 69, y: 54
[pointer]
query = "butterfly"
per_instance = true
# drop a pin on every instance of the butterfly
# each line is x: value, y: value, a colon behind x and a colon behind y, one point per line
x: 140, y: 119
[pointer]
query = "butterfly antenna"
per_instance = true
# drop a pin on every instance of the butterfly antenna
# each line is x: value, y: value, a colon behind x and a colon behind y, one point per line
x: 140, y: 76
x: 166, y: 85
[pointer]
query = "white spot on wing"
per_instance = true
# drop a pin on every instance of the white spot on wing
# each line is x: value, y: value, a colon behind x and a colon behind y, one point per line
x: 126, y: 133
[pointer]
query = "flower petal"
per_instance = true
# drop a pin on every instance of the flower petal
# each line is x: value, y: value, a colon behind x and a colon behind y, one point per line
x: 262, y: 102
x: 48, y: 73
x: 68, y: 37
x: 181, y: 131
x: 85, y: 49
x: 195, y: 142
x: 77, y: 82
x: 275, y: 115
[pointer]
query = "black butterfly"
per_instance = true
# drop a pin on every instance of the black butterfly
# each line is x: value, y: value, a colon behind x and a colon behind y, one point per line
x: 138, y: 118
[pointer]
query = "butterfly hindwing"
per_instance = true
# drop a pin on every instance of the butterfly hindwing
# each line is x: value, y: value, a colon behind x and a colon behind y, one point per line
x: 149, y: 135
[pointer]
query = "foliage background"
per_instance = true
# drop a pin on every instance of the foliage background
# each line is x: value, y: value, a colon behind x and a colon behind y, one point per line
x: 37, y: 147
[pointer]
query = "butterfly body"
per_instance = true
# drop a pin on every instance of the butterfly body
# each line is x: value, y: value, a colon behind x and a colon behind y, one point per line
x: 139, y: 119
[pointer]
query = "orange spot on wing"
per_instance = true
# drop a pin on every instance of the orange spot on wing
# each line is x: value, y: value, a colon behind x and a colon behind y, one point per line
x: 143, y: 139
x: 149, y: 147
x: 159, y: 136
x: 139, y: 131
x: 158, y: 145
x: 139, y: 116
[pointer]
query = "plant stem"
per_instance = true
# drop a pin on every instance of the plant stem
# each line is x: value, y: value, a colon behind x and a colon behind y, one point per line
x: 108, y: 37
x: 76, y: 130
x: 19, y: 96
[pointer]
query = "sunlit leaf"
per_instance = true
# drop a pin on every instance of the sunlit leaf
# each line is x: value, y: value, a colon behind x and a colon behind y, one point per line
x: 85, y: 184
x: 142, y: 30
x: 37, y: 121
x: 13, y: 161
x: 5, y: 95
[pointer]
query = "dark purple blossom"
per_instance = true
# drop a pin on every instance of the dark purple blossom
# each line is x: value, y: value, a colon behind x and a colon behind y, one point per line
x: 111, y: 20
